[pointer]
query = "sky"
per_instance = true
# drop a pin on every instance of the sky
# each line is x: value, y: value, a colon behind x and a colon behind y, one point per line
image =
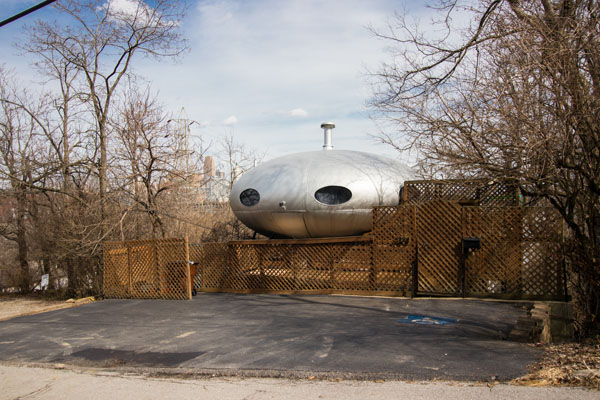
x: 267, y: 71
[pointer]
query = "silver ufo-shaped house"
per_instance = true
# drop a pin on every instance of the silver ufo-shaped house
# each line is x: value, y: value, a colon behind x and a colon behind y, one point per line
x: 326, y: 193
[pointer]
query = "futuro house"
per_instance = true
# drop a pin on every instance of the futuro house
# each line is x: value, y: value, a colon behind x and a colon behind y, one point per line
x: 326, y: 193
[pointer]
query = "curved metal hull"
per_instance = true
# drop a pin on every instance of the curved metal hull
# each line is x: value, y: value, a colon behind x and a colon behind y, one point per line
x: 287, y: 186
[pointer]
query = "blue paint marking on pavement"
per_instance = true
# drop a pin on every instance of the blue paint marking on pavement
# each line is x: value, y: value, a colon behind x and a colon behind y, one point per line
x: 427, y: 320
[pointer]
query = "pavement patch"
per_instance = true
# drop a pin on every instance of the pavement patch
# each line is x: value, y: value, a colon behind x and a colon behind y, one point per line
x: 128, y: 357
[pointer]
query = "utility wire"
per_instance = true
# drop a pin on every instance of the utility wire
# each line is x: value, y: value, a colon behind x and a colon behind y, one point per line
x: 24, y: 13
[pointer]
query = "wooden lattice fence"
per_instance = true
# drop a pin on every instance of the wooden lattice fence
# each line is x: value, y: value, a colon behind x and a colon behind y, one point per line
x: 466, y: 192
x: 147, y: 269
x: 413, y: 249
x: 287, y: 266
x: 394, y: 247
x: 439, y: 236
x: 521, y: 254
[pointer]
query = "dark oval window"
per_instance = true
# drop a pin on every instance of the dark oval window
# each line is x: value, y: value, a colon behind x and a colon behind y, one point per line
x: 333, y: 195
x: 249, y: 197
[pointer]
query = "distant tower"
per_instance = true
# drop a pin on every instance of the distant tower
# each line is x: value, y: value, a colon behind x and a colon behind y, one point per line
x: 209, y: 166
x: 182, y: 142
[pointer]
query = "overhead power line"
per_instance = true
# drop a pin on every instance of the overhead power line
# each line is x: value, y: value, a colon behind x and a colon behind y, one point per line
x: 24, y: 13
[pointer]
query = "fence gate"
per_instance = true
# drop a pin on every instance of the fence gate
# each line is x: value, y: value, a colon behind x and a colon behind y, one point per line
x: 439, y: 235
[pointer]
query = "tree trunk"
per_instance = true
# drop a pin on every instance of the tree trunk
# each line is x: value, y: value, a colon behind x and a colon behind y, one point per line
x: 25, y: 281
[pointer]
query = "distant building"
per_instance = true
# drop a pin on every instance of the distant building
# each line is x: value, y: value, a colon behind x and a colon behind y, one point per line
x: 210, y: 187
x: 209, y: 166
x: 214, y: 187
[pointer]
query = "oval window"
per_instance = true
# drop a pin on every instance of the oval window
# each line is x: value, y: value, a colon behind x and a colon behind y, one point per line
x: 249, y: 197
x: 333, y: 195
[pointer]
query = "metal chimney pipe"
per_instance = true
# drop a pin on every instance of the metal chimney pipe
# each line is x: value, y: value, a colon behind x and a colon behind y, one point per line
x: 327, y: 126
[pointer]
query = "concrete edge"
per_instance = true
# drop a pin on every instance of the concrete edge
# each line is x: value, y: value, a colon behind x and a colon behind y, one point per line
x: 210, y: 373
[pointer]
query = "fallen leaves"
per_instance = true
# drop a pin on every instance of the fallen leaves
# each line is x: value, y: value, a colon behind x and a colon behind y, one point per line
x: 568, y: 364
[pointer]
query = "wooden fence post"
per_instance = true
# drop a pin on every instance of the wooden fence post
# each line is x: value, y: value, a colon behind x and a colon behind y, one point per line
x: 129, y: 293
x: 414, y: 287
x: 372, y: 269
x: 187, y: 268
x: 160, y: 272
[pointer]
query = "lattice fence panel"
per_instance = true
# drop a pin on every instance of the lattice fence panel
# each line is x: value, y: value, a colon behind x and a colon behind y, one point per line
x: 196, y: 255
x: 394, y: 247
x: 479, y: 192
x: 174, y: 268
x: 145, y: 278
x: 313, y: 267
x: 214, y: 262
x: 156, y: 269
x: 276, y: 269
x: 495, y: 268
x: 116, y: 271
x: 520, y: 253
x: 439, y: 237
x: 246, y: 269
x: 281, y: 266
x: 542, y: 263
x: 352, y: 268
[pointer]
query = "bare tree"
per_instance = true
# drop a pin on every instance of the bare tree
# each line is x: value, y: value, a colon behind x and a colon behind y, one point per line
x: 150, y: 157
x: 70, y: 187
x: 47, y: 220
x: 515, y: 94
x: 237, y: 158
x: 88, y: 55
x: 98, y: 46
x: 16, y: 169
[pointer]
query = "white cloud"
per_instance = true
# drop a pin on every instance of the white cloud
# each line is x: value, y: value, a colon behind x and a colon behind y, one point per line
x: 134, y: 11
x: 230, y: 121
x: 124, y: 7
x: 262, y: 59
x: 298, y: 112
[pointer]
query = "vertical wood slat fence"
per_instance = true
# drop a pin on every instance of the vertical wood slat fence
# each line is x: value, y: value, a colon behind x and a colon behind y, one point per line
x: 413, y: 249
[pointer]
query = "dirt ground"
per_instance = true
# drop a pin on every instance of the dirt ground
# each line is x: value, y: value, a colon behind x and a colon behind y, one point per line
x: 566, y: 364
x: 16, y: 306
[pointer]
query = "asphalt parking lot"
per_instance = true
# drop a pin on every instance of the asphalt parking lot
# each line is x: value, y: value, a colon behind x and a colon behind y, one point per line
x: 276, y: 335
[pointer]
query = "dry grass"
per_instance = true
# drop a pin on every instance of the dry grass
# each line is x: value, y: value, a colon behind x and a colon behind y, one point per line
x: 17, y: 306
x: 568, y: 364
